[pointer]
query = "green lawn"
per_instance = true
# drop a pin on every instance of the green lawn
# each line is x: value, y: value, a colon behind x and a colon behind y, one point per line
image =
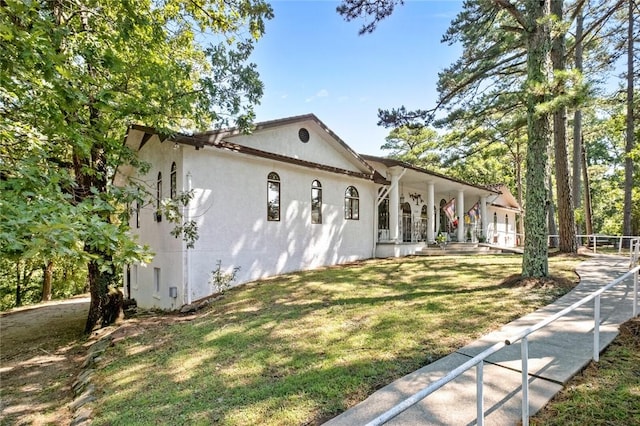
x: 606, y: 392
x: 303, y: 347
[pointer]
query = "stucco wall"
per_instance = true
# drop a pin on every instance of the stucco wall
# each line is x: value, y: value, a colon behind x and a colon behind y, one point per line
x: 230, y: 208
x: 231, y: 212
x: 167, y: 249
x: 504, y: 234
x: 321, y: 147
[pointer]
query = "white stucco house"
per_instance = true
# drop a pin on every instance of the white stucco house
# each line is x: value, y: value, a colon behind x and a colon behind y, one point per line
x: 291, y: 196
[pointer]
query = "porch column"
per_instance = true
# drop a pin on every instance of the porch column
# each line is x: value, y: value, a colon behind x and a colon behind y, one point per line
x: 394, y: 203
x: 460, y: 214
x: 431, y: 213
x: 483, y: 217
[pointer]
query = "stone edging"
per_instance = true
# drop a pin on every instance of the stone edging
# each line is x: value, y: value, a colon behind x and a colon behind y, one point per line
x: 83, y: 388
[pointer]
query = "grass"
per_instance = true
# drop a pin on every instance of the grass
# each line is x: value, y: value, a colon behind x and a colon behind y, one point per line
x: 606, y: 392
x: 303, y: 347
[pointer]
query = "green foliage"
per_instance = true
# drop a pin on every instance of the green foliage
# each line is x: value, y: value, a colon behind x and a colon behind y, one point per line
x: 221, y: 281
x: 69, y: 279
x: 73, y: 76
x: 414, y: 145
x: 172, y: 210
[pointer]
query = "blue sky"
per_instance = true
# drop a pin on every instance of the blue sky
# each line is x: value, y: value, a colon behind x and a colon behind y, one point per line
x: 312, y: 61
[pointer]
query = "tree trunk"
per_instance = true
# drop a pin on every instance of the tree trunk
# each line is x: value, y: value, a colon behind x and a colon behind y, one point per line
x: 628, y: 162
x: 18, y: 289
x: 519, y: 189
x: 551, y: 215
x: 47, y: 278
x: 99, y: 283
x: 587, y: 191
x: 566, y: 219
x: 577, y: 126
x: 535, y: 258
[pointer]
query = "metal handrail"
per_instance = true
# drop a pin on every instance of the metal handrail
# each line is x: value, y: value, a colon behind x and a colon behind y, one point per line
x: 620, y: 238
x: 478, y: 360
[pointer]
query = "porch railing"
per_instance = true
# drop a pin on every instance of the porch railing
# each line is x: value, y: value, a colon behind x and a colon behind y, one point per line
x: 478, y: 360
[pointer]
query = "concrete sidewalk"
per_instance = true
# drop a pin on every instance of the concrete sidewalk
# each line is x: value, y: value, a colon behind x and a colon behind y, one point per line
x: 556, y: 353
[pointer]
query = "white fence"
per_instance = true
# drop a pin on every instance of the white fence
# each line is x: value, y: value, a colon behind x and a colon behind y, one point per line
x: 598, y: 239
x: 478, y: 360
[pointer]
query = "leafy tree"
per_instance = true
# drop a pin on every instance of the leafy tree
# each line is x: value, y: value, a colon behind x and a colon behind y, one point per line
x: 526, y: 25
x: 415, y: 145
x: 73, y: 76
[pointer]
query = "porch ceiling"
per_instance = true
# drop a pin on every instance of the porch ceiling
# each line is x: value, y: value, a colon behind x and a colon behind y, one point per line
x: 417, y: 180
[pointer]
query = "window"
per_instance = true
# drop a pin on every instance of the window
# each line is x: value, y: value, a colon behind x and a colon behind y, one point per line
x: 423, y: 223
x: 383, y: 212
x: 173, y: 182
x: 159, y: 197
x: 444, y: 222
x: 316, y: 202
x: 351, y: 204
x: 273, y: 197
x: 137, y: 213
x: 303, y: 134
x: 156, y: 279
x: 407, y: 231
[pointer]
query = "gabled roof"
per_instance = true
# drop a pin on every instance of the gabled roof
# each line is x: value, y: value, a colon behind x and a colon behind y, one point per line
x: 390, y: 162
x: 217, y: 139
x: 506, y: 197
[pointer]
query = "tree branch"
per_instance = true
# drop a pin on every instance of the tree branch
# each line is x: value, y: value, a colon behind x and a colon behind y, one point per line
x: 511, y: 8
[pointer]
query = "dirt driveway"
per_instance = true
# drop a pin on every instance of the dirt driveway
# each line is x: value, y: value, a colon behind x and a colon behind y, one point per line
x: 41, y: 350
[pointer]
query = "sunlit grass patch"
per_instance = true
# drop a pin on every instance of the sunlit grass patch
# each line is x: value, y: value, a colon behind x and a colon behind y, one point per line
x: 303, y: 347
x: 606, y: 392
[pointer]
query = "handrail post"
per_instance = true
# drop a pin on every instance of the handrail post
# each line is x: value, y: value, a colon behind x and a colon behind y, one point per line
x: 596, y: 329
x: 524, y: 348
x: 635, y: 294
x: 480, y: 394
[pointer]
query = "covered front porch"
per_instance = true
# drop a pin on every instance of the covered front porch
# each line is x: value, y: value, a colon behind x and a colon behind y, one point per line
x: 417, y: 207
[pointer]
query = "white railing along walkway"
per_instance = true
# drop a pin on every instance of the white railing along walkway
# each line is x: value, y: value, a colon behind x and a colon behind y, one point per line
x: 594, y: 238
x: 478, y: 360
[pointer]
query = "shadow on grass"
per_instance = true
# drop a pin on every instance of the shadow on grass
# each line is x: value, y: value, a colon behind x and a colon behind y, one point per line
x: 304, y: 347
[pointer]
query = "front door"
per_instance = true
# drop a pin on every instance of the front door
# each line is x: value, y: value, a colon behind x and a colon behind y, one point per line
x: 406, y: 223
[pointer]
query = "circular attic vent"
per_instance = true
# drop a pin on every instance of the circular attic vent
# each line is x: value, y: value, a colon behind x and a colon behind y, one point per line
x: 303, y: 134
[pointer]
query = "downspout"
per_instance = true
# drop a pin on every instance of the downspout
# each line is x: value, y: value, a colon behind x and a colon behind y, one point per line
x: 187, y: 252
x: 375, y: 226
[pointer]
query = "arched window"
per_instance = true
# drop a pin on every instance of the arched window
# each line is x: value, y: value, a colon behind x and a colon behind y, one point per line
x: 159, y: 197
x: 273, y: 197
x: 423, y: 223
x: 316, y: 202
x: 405, y: 208
x: 506, y: 228
x: 444, y: 222
x: 351, y: 204
x: 173, y: 182
x: 495, y: 227
x: 383, y: 214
